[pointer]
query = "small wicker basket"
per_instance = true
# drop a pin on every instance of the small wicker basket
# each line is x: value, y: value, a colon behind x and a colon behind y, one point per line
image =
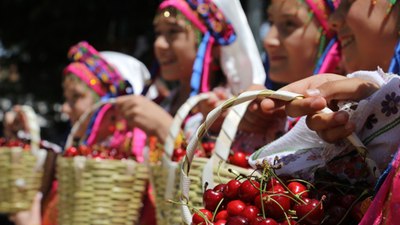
x: 99, y: 191
x: 164, y: 176
x: 21, y: 170
x: 196, y: 172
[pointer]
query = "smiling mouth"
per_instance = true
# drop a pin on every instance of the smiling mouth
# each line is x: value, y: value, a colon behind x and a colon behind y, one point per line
x: 167, y: 62
x: 346, y: 41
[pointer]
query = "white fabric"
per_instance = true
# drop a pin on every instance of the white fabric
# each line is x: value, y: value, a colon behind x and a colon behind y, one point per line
x: 241, y: 61
x: 377, y: 120
x: 134, y: 71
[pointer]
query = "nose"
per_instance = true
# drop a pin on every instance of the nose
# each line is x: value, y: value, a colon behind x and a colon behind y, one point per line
x: 66, y: 108
x: 161, y: 43
x: 271, y: 40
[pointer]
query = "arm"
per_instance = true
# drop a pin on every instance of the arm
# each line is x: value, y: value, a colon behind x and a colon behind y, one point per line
x: 143, y: 113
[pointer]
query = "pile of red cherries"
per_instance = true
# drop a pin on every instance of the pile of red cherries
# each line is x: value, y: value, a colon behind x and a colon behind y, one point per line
x: 4, y: 142
x: 274, y: 201
x: 97, y: 152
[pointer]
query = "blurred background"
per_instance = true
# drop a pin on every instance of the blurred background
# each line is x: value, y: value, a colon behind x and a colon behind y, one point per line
x: 35, y: 36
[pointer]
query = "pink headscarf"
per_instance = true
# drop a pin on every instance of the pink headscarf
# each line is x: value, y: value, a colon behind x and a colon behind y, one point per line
x: 211, y: 22
x: 330, y: 56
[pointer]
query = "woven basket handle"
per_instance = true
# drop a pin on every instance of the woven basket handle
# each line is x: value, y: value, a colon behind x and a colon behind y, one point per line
x: 33, y: 127
x: 211, y: 117
x: 83, y: 118
x: 224, y: 141
x: 178, y: 120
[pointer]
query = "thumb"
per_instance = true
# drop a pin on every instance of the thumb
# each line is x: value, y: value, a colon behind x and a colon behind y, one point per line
x: 36, y: 207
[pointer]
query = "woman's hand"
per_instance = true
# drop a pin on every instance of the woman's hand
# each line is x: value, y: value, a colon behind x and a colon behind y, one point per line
x: 143, y: 113
x: 14, y: 121
x: 29, y: 217
x: 259, y: 121
x: 320, y: 91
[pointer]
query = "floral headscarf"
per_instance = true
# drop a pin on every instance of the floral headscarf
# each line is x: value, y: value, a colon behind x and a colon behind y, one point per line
x: 328, y: 54
x: 210, y: 21
x: 89, y: 66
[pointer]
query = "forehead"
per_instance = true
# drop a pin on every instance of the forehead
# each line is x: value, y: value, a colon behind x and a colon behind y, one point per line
x: 289, y: 8
x: 169, y: 16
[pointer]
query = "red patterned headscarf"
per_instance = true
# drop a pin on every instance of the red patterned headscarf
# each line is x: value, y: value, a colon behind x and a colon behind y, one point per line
x: 328, y: 52
x: 90, y: 67
x: 210, y: 21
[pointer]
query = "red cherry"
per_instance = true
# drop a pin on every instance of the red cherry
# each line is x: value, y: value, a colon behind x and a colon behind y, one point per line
x: 219, y: 188
x: 290, y: 222
x: 248, y: 190
x: 208, y: 146
x: 84, y: 150
x: 250, y: 212
x: 273, y: 204
x: 178, y: 154
x: 312, y: 212
x: 232, y: 189
x: 220, y: 222
x: 239, y: 159
x: 237, y: 220
x: 211, y: 199
x: 222, y: 215
x: 298, y: 188
x: 235, y: 207
x: 198, y: 217
x: 272, y: 183
x: 71, y: 151
x: 261, y: 221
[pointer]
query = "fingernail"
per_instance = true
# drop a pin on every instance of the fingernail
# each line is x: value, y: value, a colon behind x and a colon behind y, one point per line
x: 341, y: 117
x: 313, y: 92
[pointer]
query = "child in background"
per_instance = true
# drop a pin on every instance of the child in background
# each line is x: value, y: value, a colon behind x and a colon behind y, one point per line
x: 93, y: 77
x: 198, y: 47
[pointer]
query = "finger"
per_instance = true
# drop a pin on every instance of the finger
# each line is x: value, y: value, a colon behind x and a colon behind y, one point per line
x: 302, y: 107
x: 336, y: 134
x: 269, y: 104
x: 36, y: 206
x: 324, y: 121
x: 312, y: 82
x: 349, y: 89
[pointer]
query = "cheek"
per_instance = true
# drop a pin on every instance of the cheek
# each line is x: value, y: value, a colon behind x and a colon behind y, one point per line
x: 303, y: 50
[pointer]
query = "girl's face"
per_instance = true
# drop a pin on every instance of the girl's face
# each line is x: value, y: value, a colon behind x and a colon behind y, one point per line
x: 292, y: 41
x: 368, y: 35
x: 78, y: 98
x: 175, y: 47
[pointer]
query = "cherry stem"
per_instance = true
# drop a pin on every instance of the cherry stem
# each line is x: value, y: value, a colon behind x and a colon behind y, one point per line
x: 276, y: 202
x: 297, y: 197
x: 352, y: 205
x: 319, y: 203
x: 302, y: 181
x: 201, y: 214
x: 264, y: 173
x: 216, y: 209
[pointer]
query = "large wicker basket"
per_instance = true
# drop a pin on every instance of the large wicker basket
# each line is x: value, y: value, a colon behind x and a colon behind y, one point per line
x: 21, y: 170
x: 196, y: 172
x: 99, y: 191
x: 164, y: 176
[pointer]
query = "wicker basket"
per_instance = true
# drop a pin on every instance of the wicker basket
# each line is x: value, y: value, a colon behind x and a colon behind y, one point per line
x: 196, y: 172
x: 99, y: 191
x: 164, y: 176
x: 21, y: 170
